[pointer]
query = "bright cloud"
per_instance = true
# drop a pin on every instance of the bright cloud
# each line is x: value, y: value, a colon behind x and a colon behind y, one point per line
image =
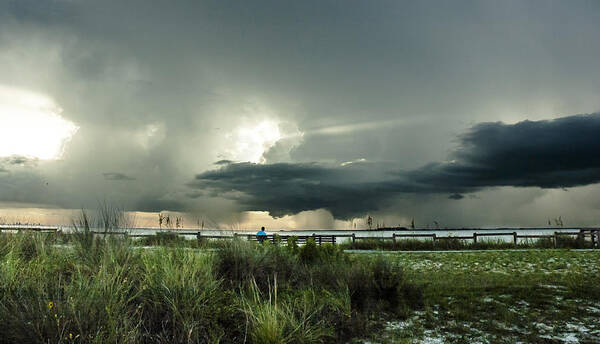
x: 31, y: 125
x: 253, y: 140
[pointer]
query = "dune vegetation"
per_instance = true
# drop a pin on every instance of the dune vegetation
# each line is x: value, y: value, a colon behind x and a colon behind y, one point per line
x: 99, y: 290
x: 84, y: 288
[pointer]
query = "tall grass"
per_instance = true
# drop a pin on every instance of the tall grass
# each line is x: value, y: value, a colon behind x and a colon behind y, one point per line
x: 106, y: 218
x: 48, y: 296
x: 102, y: 289
x: 180, y: 298
x: 110, y: 217
x: 292, y: 320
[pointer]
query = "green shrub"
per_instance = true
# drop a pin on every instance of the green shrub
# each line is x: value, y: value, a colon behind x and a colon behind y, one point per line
x: 380, y: 284
x: 163, y: 239
x: 238, y: 262
x: 572, y: 242
x: 292, y: 244
x: 309, y: 253
x: 276, y: 239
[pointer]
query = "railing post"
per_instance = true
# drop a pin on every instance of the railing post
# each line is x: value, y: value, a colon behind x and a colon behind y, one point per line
x: 474, y: 238
x: 320, y: 236
x: 394, y: 237
x: 333, y: 239
x: 353, y: 238
x: 434, y: 239
x: 515, y: 238
x: 555, y: 239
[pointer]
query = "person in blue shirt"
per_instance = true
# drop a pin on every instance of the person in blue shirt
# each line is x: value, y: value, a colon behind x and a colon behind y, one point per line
x: 261, y: 235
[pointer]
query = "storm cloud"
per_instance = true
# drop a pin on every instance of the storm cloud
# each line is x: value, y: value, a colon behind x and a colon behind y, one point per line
x: 349, y: 106
x: 556, y: 153
x: 285, y: 188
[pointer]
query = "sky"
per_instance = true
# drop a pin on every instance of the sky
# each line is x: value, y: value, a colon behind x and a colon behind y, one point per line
x: 303, y: 114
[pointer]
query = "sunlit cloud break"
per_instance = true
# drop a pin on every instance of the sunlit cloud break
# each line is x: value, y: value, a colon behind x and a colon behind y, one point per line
x: 32, y: 125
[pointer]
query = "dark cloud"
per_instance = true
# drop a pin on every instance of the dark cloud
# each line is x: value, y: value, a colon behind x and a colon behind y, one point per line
x: 19, y: 160
x: 43, y: 11
x: 284, y: 188
x: 223, y: 162
x: 547, y: 154
x: 456, y: 196
x: 116, y: 176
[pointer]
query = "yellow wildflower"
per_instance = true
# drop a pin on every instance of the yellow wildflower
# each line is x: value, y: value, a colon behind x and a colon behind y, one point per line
x: 50, y: 305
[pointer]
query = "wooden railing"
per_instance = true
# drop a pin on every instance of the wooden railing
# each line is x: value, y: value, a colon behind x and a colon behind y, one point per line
x: 584, y: 233
x: 592, y: 234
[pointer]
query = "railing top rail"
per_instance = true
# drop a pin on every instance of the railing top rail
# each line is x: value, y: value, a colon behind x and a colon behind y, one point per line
x: 454, y: 237
x: 534, y: 236
x: 414, y: 235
